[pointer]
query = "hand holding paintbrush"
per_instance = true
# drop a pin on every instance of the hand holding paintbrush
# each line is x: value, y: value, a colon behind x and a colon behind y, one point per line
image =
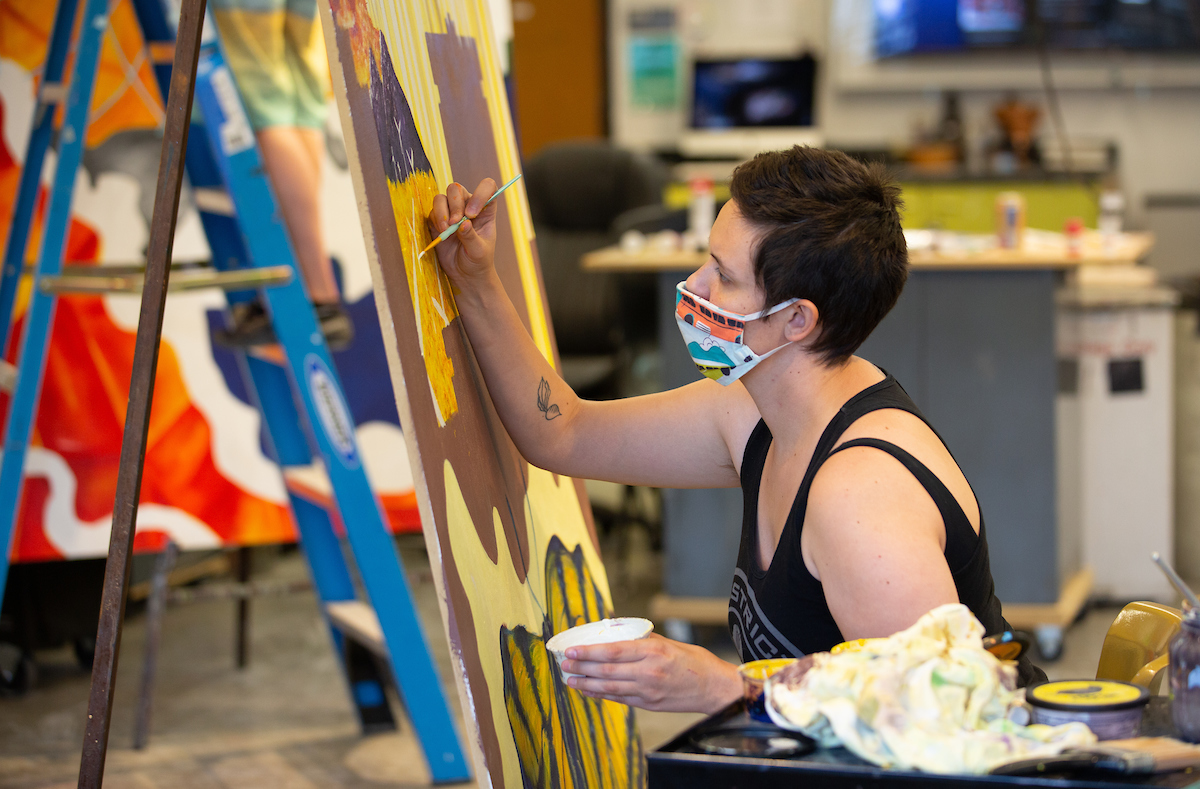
x: 454, y: 228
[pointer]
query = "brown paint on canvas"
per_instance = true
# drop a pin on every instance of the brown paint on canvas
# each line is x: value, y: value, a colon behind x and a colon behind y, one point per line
x: 470, y: 143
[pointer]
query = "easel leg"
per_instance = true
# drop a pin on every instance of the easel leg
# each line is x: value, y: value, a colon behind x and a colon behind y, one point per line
x: 141, y: 393
x: 242, y: 644
x: 155, y: 610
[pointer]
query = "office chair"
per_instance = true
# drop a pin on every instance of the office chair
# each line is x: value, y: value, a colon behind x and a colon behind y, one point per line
x: 576, y: 190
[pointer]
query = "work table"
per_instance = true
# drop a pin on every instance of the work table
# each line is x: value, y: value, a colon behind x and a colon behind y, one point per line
x: 956, y: 252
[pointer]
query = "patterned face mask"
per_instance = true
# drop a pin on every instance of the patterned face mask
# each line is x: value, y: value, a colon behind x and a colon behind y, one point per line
x: 715, y: 337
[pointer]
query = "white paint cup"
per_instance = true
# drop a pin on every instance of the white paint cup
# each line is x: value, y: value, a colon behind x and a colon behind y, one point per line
x: 606, y: 631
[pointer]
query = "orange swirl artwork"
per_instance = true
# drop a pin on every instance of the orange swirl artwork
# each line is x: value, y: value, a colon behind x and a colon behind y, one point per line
x: 208, y: 481
x: 516, y: 559
x: 189, y: 493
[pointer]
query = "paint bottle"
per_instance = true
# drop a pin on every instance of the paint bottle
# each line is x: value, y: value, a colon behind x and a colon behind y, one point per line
x: 1112, y: 210
x: 701, y: 210
x: 1073, y: 230
x: 1010, y: 219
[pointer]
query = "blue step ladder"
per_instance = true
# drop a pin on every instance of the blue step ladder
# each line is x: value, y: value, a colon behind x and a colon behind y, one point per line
x: 295, y: 384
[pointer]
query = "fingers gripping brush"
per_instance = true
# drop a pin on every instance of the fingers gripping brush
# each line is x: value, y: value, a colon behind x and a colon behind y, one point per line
x: 454, y: 227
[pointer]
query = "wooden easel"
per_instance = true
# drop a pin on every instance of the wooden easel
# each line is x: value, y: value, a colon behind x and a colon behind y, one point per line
x: 141, y: 394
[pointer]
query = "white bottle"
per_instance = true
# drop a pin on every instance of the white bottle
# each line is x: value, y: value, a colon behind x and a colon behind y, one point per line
x: 1112, y: 211
x: 701, y: 210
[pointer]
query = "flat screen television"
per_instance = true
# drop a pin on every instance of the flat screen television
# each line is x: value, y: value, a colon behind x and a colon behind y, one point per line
x: 905, y: 27
x: 740, y: 106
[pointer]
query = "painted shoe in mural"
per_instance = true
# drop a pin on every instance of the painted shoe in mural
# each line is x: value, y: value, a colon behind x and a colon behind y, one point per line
x: 251, y: 326
x: 336, y: 325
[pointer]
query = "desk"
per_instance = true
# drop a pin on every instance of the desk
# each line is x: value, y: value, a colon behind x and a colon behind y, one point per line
x: 680, y: 765
x: 972, y: 341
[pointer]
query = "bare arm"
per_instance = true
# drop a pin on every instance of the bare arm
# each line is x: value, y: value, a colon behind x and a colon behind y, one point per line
x: 688, y: 437
x: 876, y: 541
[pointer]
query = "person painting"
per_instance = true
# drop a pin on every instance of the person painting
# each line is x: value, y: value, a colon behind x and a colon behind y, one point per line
x: 857, y: 518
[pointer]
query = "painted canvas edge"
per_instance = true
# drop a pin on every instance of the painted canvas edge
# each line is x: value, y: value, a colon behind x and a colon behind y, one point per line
x: 396, y: 372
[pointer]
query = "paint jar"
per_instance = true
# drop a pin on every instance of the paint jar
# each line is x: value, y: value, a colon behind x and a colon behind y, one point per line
x: 1010, y: 219
x: 754, y: 676
x: 1111, y: 709
x: 1184, y: 673
x: 606, y: 631
x: 853, y: 646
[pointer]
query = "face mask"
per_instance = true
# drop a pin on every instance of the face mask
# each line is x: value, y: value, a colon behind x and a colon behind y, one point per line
x: 715, y: 337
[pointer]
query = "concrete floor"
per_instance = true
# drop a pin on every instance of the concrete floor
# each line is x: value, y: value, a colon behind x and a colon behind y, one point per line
x: 285, y: 721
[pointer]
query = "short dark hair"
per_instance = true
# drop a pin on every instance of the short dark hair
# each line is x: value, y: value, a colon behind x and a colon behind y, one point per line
x: 832, y: 236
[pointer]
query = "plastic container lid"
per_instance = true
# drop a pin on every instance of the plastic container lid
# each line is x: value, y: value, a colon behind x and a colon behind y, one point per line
x: 1086, y: 695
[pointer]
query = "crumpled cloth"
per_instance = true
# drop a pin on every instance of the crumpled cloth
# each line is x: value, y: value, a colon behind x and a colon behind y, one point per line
x: 928, y: 698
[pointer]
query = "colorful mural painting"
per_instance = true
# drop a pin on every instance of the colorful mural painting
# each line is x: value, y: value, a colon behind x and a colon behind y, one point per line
x: 208, y: 480
x: 515, y: 552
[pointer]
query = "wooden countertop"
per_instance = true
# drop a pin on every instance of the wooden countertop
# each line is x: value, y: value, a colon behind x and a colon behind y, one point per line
x: 1042, y: 251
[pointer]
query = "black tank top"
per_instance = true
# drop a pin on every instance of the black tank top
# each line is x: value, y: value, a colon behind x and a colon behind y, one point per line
x: 782, y: 612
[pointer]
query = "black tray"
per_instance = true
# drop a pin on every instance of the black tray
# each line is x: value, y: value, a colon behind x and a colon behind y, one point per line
x: 681, y: 765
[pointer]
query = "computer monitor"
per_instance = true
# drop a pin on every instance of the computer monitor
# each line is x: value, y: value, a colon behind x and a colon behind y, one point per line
x: 743, y: 106
x: 917, y: 27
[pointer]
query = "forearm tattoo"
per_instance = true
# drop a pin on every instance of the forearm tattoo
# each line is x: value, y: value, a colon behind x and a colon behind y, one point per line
x: 550, y: 410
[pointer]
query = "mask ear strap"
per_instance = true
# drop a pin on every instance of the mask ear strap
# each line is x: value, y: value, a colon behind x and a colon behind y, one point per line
x: 767, y: 313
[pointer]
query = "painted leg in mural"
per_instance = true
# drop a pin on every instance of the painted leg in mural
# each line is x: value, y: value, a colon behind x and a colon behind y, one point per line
x: 292, y: 156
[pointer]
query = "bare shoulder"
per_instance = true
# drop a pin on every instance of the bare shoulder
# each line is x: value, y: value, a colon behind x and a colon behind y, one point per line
x: 875, y: 540
x: 863, y: 501
x: 861, y: 486
x: 912, y: 434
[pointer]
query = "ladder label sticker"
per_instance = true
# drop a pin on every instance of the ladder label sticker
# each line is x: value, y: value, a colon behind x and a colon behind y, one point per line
x: 236, y: 134
x: 331, y: 410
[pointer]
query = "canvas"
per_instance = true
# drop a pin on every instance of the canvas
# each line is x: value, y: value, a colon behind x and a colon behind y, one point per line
x: 515, y: 553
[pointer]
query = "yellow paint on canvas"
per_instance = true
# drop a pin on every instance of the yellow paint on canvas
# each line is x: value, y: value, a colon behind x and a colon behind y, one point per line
x: 498, y: 600
x: 428, y: 286
x: 593, y: 743
x: 405, y: 25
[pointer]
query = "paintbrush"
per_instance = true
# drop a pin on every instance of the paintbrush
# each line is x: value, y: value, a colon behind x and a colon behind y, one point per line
x: 1174, y: 578
x: 1136, y: 756
x: 454, y: 227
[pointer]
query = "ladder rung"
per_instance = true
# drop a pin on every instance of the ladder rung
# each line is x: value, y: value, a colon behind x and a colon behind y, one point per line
x: 357, y: 620
x: 213, y: 201
x: 99, y: 282
x: 53, y: 93
x: 8, y: 376
x: 311, y: 483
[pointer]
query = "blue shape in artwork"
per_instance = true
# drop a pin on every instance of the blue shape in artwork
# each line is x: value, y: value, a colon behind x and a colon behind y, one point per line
x: 362, y: 366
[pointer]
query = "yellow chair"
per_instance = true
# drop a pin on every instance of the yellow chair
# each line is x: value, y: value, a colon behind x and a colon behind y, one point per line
x: 1135, y: 648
